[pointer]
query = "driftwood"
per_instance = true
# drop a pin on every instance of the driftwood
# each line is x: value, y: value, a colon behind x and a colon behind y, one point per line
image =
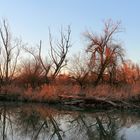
x: 103, y: 103
x: 84, y: 102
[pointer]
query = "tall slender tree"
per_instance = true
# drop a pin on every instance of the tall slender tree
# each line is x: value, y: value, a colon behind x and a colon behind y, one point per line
x: 9, y: 52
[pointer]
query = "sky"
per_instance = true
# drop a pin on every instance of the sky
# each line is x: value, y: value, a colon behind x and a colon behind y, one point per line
x: 31, y: 19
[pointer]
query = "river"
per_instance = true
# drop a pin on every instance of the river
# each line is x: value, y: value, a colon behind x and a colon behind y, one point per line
x: 43, y: 122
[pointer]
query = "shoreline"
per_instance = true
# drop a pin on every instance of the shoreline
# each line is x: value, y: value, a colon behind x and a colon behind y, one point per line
x: 80, y: 103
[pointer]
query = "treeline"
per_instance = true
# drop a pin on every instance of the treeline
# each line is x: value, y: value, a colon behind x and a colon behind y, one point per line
x: 103, y: 61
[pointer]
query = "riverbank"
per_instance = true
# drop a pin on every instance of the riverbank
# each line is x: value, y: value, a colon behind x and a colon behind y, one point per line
x: 78, y: 102
x: 100, y: 97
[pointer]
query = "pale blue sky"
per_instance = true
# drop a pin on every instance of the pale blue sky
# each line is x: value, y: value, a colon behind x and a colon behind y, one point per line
x: 30, y: 19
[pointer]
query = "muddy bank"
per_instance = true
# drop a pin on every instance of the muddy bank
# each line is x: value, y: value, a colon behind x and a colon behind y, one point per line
x: 80, y: 102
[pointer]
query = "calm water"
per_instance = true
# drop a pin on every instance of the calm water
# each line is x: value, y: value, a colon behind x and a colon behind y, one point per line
x: 40, y: 122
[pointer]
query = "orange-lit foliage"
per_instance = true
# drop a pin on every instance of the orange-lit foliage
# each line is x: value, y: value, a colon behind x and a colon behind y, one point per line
x: 30, y: 75
x: 50, y: 92
x: 64, y: 79
x: 105, y: 52
x: 40, y: 80
x: 128, y: 72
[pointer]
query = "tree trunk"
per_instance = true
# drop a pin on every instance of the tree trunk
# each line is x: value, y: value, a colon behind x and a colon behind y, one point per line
x: 100, y: 75
x: 7, y: 69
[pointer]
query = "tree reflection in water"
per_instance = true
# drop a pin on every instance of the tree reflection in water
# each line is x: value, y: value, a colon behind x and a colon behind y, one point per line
x: 40, y: 122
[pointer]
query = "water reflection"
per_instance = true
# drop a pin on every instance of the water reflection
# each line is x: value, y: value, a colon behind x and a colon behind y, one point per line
x: 40, y: 122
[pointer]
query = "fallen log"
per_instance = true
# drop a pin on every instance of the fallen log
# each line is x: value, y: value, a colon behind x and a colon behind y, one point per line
x: 96, y: 102
x: 130, y: 105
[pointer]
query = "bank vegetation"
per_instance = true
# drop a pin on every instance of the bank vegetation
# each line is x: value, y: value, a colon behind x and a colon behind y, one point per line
x: 101, y: 71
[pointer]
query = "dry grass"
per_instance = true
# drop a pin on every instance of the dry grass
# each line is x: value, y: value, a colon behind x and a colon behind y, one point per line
x: 52, y: 92
x: 11, y: 89
x: 111, y: 92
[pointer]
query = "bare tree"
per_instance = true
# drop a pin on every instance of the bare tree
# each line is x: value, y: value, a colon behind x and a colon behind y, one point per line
x: 38, y: 62
x: 57, y: 59
x: 59, y: 52
x: 46, y: 65
x: 79, y: 69
x: 9, y: 53
x: 31, y: 72
x: 105, y: 52
x: 114, y: 55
